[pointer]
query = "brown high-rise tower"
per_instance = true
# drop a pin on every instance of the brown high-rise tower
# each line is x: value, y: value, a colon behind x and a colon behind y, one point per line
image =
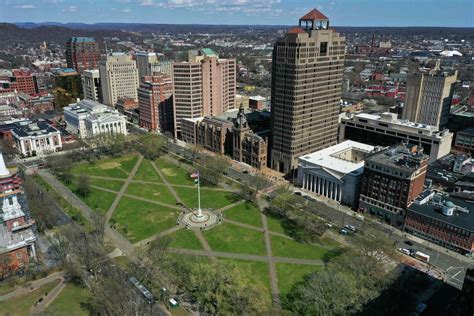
x: 82, y: 53
x: 306, y: 89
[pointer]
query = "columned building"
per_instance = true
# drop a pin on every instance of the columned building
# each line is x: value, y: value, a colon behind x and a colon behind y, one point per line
x: 118, y: 78
x: 307, y: 69
x: 335, y: 172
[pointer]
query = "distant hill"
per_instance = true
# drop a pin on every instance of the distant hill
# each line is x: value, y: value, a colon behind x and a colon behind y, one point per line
x: 33, y: 33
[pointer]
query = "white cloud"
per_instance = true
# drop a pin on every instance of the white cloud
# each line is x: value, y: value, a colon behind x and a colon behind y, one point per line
x: 71, y: 8
x: 126, y: 10
x: 147, y: 2
x: 249, y: 7
x: 25, y: 6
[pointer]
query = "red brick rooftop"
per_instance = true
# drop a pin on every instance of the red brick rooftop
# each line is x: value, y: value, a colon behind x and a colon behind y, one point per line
x: 296, y: 30
x: 314, y: 15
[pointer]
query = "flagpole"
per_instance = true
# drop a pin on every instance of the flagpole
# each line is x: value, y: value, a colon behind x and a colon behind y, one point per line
x: 199, y: 195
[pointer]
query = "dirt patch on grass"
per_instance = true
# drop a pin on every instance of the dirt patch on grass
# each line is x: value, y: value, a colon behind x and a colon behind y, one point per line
x: 109, y: 165
x: 168, y: 172
x: 157, y: 193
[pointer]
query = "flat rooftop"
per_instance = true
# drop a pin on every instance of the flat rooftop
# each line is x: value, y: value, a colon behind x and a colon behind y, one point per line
x: 344, y: 158
x: 400, y: 157
x: 464, y: 220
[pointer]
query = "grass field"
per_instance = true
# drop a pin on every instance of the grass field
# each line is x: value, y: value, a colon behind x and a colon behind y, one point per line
x: 107, y: 184
x: 289, y: 274
x: 255, y: 271
x: 209, y: 198
x: 98, y: 200
x: 154, y: 192
x: 147, y: 172
x: 173, y: 173
x: 274, y: 225
x: 137, y: 220
x: 232, y: 238
x: 247, y: 213
x: 22, y: 305
x: 68, y: 302
x: 283, y: 247
x: 110, y: 167
x: 185, y: 239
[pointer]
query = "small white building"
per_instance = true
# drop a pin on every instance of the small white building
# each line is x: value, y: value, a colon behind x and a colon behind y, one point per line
x: 36, y: 138
x: 335, y: 172
x: 88, y: 118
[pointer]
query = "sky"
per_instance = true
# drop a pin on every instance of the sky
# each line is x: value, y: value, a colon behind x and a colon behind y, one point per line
x: 450, y: 13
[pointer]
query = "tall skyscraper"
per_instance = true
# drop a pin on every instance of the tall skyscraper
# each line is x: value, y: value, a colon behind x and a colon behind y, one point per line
x: 155, y: 103
x: 82, y: 53
x: 205, y: 85
x: 429, y: 97
x: 91, y: 85
x: 145, y: 63
x: 306, y: 88
x: 118, y: 78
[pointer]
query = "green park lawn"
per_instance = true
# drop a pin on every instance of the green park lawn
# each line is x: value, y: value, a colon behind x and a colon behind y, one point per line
x: 209, y: 198
x: 173, y: 173
x: 255, y: 271
x: 283, y: 247
x: 68, y: 302
x: 289, y: 274
x: 110, y: 167
x: 22, y: 305
x: 232, y: 238
x: 98, y: 200
x: 138, y: 220
x: 154, y: 192
x: 186, y: 239
x: 247, y: 213
x: 147, y: 172
x: 114, y: 185
x: 274, y: 225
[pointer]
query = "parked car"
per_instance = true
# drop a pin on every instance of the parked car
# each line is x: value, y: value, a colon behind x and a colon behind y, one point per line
x: 404, y: 251
x: 298, y: 193
x: 351, y: 228
x: 409, y: 242
x: 343, y: 232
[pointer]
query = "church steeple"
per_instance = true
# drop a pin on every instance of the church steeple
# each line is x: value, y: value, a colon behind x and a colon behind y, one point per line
x: 241, y: 120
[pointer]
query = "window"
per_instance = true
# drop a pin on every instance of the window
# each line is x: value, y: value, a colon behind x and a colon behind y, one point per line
x: 323, y: 49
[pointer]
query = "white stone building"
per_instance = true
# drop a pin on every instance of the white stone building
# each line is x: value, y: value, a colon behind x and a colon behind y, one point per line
x: 118, y: 78
x: 91, y: 85
x: 88, y: 118
x: 335, y: 172
x: 34, y: 138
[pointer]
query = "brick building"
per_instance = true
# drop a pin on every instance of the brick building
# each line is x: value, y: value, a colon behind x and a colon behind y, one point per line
x: 17, y: 233
x: 442, y: 220
x: 82, y: 53
x: 155, y: 103
x: 19, y: 80
x: 393, y: 178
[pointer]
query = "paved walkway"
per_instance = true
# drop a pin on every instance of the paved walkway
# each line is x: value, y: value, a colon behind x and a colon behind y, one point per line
x: 31, y: 286
x: 242, y: 256
x: 48, y: 299
x: 116, y: 201
x: 225, y: 208
x: 165, y: 181
x: 163, y: 233
x: 271, y: 265
x: 111, y: 234
x: 205, y: 244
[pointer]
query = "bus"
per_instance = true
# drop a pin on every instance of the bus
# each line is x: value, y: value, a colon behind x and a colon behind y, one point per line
x: 422, y: 256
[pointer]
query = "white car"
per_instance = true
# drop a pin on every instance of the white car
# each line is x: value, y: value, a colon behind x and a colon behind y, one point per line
x: 404, y: 251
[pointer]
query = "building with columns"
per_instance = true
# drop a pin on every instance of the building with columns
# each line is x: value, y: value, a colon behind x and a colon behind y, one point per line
x: 17, y: 234
x: 87, y: 118
x: 335, y: 172
x: 36, y: 137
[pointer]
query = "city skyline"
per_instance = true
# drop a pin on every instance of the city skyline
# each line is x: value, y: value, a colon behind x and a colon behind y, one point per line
x: 456, y: 13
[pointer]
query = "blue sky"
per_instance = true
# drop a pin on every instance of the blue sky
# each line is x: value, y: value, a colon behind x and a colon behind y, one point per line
x: 340, y: 12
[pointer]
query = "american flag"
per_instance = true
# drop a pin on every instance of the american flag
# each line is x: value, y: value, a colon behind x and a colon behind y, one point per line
x: 195, y: 174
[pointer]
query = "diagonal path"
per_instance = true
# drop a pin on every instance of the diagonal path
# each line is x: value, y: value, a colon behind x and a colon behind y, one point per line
x: 116, y: 201
x: 163, y: 233
x: 225, y: 208
x: 165, y: 181
x: 205, y: 245
x: 271, y: 264
x: 31, y: 286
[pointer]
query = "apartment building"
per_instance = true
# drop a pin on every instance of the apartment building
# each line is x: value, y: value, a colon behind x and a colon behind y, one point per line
x: 155, y: 103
